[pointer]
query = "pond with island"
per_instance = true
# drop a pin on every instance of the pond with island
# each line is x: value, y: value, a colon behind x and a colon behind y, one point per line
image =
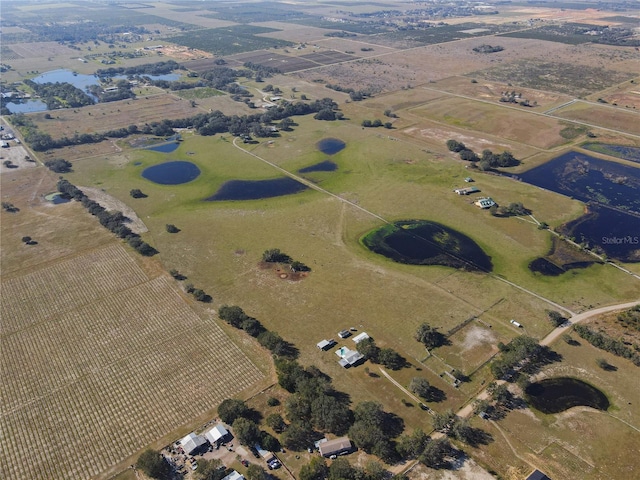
x: 422, y: 242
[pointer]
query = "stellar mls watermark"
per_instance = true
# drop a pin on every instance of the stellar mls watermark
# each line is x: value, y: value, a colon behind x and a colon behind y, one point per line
x: 626, y: 240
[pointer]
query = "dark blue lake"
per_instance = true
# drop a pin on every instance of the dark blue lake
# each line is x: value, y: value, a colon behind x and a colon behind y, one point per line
x: 172, y: 173
x: 257, y: 189
x: 165, y: 147
x: 331, y: 146
x: 325, y: 166
x: 78, y: 80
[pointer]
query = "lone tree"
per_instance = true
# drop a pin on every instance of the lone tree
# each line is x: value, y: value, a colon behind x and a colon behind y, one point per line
x: 555, y: 318
x: 429, y: 336
x: 154, y: 465
x: 231, y: 409
x: 171, y: 228
x: 420, y: 387
x: 274, y: 255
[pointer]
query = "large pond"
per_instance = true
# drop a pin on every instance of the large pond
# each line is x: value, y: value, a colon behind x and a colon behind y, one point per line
x: 165, y: 147
x: 554, y: 395
x: 172, y: 173
x: 257, y: 189
x: 421, y: 242
x: 325, y: 166
x: 331, y: 146
x: 27, y: 106
x: 613, y: 192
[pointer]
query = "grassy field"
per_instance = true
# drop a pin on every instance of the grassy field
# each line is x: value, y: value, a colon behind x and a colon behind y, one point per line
x: 618, y: 119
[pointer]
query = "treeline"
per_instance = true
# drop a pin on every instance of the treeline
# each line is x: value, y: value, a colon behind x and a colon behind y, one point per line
x: 261, y: 71
x: 355, y: 95
x: 385, y: 356
x: 158, y: 68
x: 236, y: 317
x: 60, y: 94
x: 115, y: 222
x: 488, y: 48
x: 122, y: 91
x: 204, y: 123
x: 609, y: 344
x: 488, y: 160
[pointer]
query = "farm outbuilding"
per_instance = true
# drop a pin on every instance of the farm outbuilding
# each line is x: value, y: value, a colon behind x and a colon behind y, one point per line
x: 338, y: 446
x: 216, y: 434
x: 326, y: 344
x: 348, y: 358
x: 486, y: 202
x: 192, y: 443
x: 360, y: 337
x: 234, y: 476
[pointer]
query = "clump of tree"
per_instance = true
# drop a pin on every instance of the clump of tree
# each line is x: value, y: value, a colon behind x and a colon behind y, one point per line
x: 629, y: 318
x: 199, y: 294
x: 210, y: 470
x: 609, y: 344
x: 9, y: 207
x: 604, y: 365
x: 274, y: 255
x: 115, y: 222
x: 513, y: 97
x: 434, y: 453
x: 58, y: 165
x: 314, y: 403
x: 28, y: 241
x: 231, y: 409
x: 488, y: 49
x: 487, y: 161
x: 523, y: 353
x: 459, y: 429
x: 137, y: 193
x: 514, y: 209
x: 385, y: 356
x: 60, y: 94
x: 429, y: 336
x: 176, y: 274
x: 154, y: 465
x: 374, y: 430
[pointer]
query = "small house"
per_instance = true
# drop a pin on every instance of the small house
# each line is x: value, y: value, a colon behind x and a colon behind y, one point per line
x: 360, y: 337
x: 192, y: 444
x: 339, y: 446
x: 216, y: 434
x: 467, y: 190
x: 484, y: 203
x: 348, y: 358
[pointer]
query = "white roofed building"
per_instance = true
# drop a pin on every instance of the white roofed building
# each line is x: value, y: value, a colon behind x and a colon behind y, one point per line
x: 360, y: 337
x: 192, y: 443
x: 216, y: 434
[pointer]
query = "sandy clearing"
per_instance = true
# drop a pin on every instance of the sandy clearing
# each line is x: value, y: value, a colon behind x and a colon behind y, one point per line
x: 113, y: 204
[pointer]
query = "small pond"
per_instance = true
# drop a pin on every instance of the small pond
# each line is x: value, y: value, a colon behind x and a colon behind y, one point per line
x: 27, y: 106
x: 165, y: 147
x: 554, y: 395
x: 172, y: 173
x: 257, y: 189
x: 421, y: 242
x: 57, y: 198
x: 325, y: 166
x: 331, y: 146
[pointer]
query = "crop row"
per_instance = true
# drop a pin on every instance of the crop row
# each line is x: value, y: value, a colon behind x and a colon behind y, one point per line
x: 36, y: 296
x: 78, y: 429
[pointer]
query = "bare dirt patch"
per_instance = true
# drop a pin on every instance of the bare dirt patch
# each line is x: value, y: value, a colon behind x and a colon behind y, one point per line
x: 19, y: 158
x: 476, y: 336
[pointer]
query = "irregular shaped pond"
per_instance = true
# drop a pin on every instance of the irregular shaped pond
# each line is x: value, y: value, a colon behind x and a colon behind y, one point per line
x: 554, y: 395
x: 325, y: 166
x: 172, y: 173
x: 26, y: 106
x: 257, y: 189
x: 330, y: 146
x: 421, y: 242
x: 57, y: 198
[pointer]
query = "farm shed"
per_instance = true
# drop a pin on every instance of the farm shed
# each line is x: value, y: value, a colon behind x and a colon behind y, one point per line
x: 344, y: 333
x: 234, y: 476
x: 348, y: 358
x: 467, y: 190
x: 216, y: 433
x: 326, y: 344
x: 192, y: 443
x: 360, y: 337
x: 338, y: 446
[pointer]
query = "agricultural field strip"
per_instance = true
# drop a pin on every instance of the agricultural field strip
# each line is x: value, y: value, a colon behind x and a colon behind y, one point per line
x: 140, y: 378
x: 38, y: 295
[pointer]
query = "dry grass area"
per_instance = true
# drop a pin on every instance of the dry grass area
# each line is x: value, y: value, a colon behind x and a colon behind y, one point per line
x: 618, y: 119
x: 109, y: 116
